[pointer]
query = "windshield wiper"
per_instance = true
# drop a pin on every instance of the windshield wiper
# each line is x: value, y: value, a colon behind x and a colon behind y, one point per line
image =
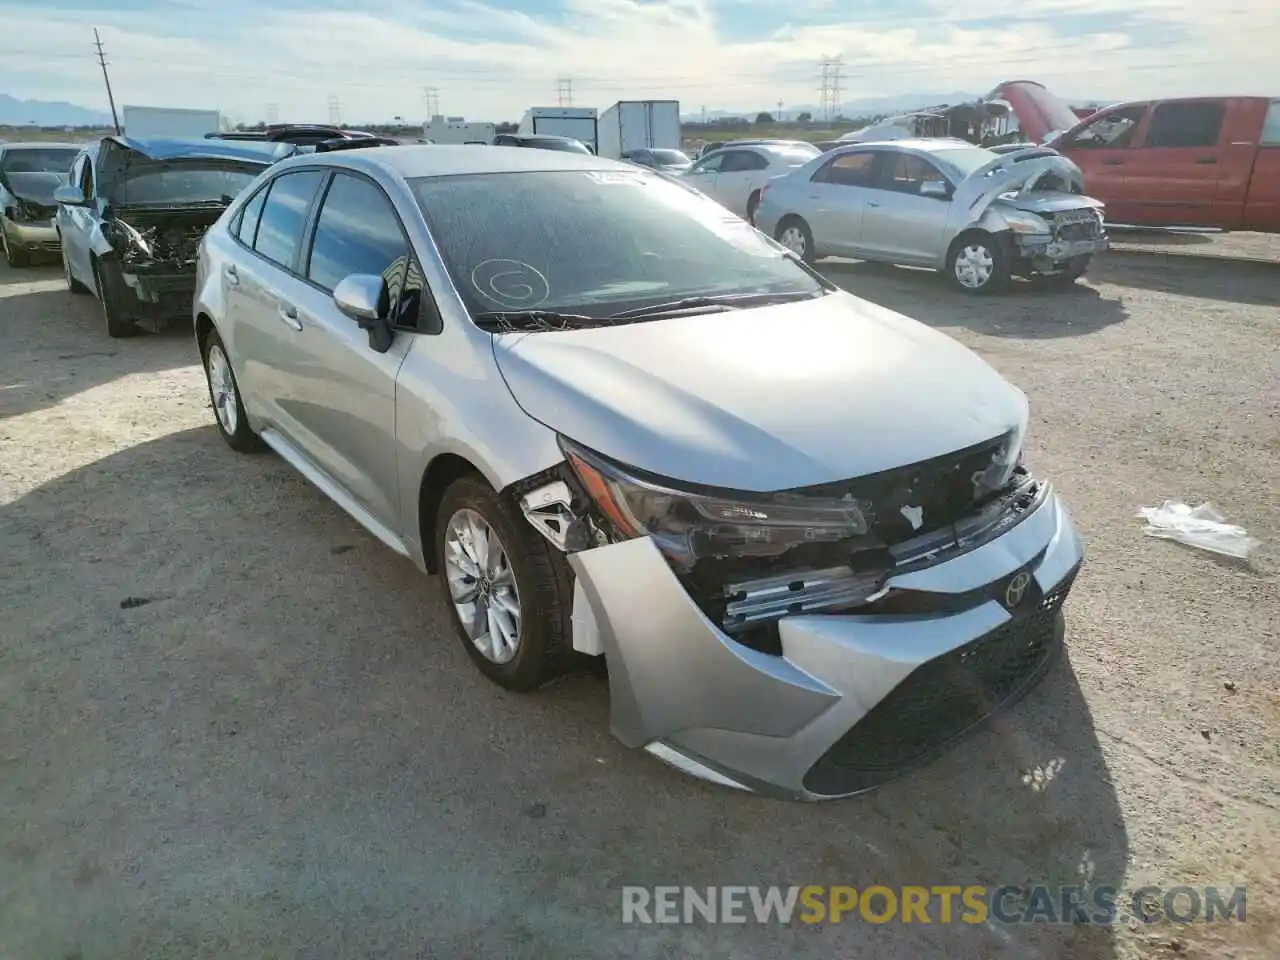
x: 511, y: 321
x: 727, y: 301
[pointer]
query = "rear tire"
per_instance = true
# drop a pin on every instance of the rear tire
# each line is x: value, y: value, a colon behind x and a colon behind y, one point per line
x: 224, y: 397
x: 794, y: 234
x: 978, y: 263
x: 111, y: 293
x: 528, y: 580
x: 13, y: 256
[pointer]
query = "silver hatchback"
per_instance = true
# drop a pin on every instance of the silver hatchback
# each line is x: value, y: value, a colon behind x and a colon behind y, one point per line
x: 617, y: 421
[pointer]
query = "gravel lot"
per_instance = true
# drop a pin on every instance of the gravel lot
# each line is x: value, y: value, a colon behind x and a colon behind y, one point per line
x: 284, y: 753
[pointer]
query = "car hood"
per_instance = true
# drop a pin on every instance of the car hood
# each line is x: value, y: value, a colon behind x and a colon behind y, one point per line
x: 34, y: 187
x: 1014, y: 175
x: 763, y: 399
x: 122, y: 157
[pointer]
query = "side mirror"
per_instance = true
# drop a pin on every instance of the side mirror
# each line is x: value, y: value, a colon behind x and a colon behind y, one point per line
x: 69, y: 195
x: 364, y: 298
x: 935, y: 188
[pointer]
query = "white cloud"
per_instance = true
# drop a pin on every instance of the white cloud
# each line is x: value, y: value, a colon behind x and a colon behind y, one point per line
x: 492, y: 63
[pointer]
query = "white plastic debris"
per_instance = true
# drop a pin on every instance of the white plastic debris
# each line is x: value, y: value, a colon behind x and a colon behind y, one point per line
x: 1202, y: 527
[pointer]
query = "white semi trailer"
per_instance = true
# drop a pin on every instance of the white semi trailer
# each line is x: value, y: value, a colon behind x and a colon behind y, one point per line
x: 576, y: 122
x: 639, y: 124
x: 169, y: 122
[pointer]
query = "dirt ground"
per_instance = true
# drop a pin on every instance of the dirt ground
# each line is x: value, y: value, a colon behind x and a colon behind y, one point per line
x: 235, y: 725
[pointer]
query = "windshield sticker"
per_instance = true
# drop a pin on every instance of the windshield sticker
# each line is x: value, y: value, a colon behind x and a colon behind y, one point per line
x: 511, y: 284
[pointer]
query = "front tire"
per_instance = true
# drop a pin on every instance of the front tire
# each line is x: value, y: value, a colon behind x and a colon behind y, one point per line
x: 794, y: 234
x: 508, y: 596
x: 224, y: 396
x: 978, y: 262
x: 13, y: 256
x: 111, y: 295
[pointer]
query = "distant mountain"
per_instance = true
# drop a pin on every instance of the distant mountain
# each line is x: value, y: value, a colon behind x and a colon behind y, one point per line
x: 45, y: 113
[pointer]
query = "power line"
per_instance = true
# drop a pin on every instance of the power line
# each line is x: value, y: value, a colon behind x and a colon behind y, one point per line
x: 102, y: 59
x: 335, y: 112
x: 564, y: 91
x: 431, y: 97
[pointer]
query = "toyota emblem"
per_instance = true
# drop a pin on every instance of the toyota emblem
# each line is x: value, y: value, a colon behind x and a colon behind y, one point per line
x: 1017, y: 589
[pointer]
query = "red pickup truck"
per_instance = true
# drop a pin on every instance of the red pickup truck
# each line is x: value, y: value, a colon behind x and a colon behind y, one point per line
x: 1187, y: 162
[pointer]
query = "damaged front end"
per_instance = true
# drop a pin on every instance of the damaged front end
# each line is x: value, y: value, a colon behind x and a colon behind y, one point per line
x: 156, y: 253
x: 751, y: 639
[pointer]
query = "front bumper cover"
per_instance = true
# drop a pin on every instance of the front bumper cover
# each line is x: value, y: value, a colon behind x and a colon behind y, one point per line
x: 853, y: 700
x: 39, y: 237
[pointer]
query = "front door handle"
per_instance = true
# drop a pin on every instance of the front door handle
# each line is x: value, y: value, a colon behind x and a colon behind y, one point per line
x: 229, y: 271
x: 1207, y: 160
x: 872, y: 203
x: 289, y: 314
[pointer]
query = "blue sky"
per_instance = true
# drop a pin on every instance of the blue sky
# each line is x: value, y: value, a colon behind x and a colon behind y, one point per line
x: 490, y: 59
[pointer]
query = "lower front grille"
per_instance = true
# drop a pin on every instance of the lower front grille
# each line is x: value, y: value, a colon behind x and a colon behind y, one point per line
x: 941, y: 700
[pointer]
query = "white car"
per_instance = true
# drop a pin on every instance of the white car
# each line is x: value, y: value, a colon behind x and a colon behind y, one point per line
x: 733, y: 176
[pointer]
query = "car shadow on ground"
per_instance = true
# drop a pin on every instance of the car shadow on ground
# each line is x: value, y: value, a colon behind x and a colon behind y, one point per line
x: 237, y: 721
x: 1027, y: 311
x: 44, y: 328
x: 1208, y: 277
x: 1170, y: 238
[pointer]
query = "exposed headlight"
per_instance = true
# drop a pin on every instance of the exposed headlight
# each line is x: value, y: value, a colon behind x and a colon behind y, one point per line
x: 690, y: 525
x: 1020, y: 221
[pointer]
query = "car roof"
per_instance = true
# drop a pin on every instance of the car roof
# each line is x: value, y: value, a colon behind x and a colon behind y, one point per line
x: 919, y: 144
x: 441, y: 160
x: 40, y: 145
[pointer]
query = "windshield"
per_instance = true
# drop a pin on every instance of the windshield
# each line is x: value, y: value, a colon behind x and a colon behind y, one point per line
x: 794, y: 153
x: 182, y: 184
x: 43, y: 160
x: 595, y: 242
x: 669, y: 158
x: 966, y: 160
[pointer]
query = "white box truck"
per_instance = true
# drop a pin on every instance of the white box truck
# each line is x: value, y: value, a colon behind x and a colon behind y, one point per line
x: 440, y: 130
x: 169, y: 122
x: 636, y: 124
x: 576, y: 122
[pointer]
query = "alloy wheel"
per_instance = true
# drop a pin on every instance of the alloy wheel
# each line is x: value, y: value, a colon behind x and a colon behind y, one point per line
x: 793, y: 239
x: 974, y: 266
x: 482, y: 586
x: 222, y: 386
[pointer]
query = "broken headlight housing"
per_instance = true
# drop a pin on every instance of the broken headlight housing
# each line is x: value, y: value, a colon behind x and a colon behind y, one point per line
x: 689, y: 525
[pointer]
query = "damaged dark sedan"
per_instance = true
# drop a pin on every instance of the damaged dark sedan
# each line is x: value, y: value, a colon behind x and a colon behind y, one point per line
x: 131, y: 218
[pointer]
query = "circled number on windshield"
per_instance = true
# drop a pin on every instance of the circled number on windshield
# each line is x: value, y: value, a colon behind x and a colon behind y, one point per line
x: 512, y: 284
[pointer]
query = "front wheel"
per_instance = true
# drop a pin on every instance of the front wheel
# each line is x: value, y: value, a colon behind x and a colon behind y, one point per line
x: 509, y: 601
x: 794, y: 234
x: 111, y: 296
x: 13, y: 256
x: 978, y: 263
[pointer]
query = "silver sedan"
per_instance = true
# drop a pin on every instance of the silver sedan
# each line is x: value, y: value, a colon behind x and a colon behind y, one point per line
x: 979, y: 216
x: 616, y: 420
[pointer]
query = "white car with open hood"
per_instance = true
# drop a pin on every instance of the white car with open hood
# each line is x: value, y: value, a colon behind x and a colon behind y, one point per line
x: 132, y: 216
x: 617, y: 421
x: 981, y: 217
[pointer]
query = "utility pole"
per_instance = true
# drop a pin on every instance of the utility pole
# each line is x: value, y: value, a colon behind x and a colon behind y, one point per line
x: 779, y: 117
x: 564, y: 91
x: 431, y: 96
x: 273, y: 113
x: 335, y: 112
x: 102, y: 59
x: 704, y: 116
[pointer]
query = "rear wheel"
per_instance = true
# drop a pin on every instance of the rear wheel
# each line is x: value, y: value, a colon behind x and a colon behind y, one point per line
x: 111, y: 294
x: 14, y: 256
x: 978, y: 263
x: 794, y: 234
x: 508, y: 599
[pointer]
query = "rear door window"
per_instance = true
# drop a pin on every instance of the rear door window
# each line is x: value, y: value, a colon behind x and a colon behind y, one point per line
x: 284, y: 216
x: 1192, y: 123
x: 1271, y: 126
x: 742, y: 161
x: 247, y: 226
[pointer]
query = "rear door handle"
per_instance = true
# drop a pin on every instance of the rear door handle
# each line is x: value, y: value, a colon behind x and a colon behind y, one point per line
x: 1207, y: 160
x: 229, y: 271
x: 289, y: 314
